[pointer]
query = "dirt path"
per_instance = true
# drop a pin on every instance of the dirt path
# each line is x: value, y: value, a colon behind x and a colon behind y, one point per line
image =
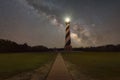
x: 59, y: 70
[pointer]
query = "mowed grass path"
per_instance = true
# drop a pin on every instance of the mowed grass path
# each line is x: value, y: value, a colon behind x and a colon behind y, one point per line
x: 96, y: 65
x: 13, y: 63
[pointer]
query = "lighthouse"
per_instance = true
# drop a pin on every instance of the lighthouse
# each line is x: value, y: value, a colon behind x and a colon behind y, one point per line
x: 68, y: 46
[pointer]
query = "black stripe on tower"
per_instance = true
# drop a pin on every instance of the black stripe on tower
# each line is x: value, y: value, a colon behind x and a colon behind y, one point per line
x: 67, y: 35
x: 68, y: 43
x: 67, y: 28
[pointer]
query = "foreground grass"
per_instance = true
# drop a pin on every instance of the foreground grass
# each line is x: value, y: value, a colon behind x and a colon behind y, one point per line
x: 96, y: 65
x: 13, y: 63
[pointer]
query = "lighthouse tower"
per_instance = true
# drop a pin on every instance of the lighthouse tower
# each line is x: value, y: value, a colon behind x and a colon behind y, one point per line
x: 68, y: 46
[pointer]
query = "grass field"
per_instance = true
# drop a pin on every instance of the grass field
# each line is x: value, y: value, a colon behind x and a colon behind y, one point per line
x: 96, y: 65
x: 13, y: 63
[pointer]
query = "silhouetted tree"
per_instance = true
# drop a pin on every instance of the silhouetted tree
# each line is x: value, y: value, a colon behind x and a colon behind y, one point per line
x: 39, y: 48
x: 10, y: 46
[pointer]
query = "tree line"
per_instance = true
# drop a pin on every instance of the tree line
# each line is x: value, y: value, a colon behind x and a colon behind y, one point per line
x: 11, y: 46
x: 110, y: 48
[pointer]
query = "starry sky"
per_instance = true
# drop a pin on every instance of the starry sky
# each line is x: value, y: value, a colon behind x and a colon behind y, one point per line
x: 41, y: 22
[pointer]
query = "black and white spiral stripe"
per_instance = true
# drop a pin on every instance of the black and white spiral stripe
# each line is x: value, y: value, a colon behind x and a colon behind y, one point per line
x: 67, y: 37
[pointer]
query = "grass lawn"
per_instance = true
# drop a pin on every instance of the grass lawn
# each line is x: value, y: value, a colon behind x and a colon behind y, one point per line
x: 12, y: 63
x: 96, y: 65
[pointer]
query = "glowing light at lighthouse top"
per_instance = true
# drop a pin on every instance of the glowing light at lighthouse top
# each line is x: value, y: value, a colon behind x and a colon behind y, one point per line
x: 67, y: 20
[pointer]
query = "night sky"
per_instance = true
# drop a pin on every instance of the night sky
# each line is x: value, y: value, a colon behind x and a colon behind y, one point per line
x: 41, y: 22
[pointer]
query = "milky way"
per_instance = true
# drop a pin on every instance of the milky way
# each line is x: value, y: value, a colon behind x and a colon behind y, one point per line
x: 41, y: 22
